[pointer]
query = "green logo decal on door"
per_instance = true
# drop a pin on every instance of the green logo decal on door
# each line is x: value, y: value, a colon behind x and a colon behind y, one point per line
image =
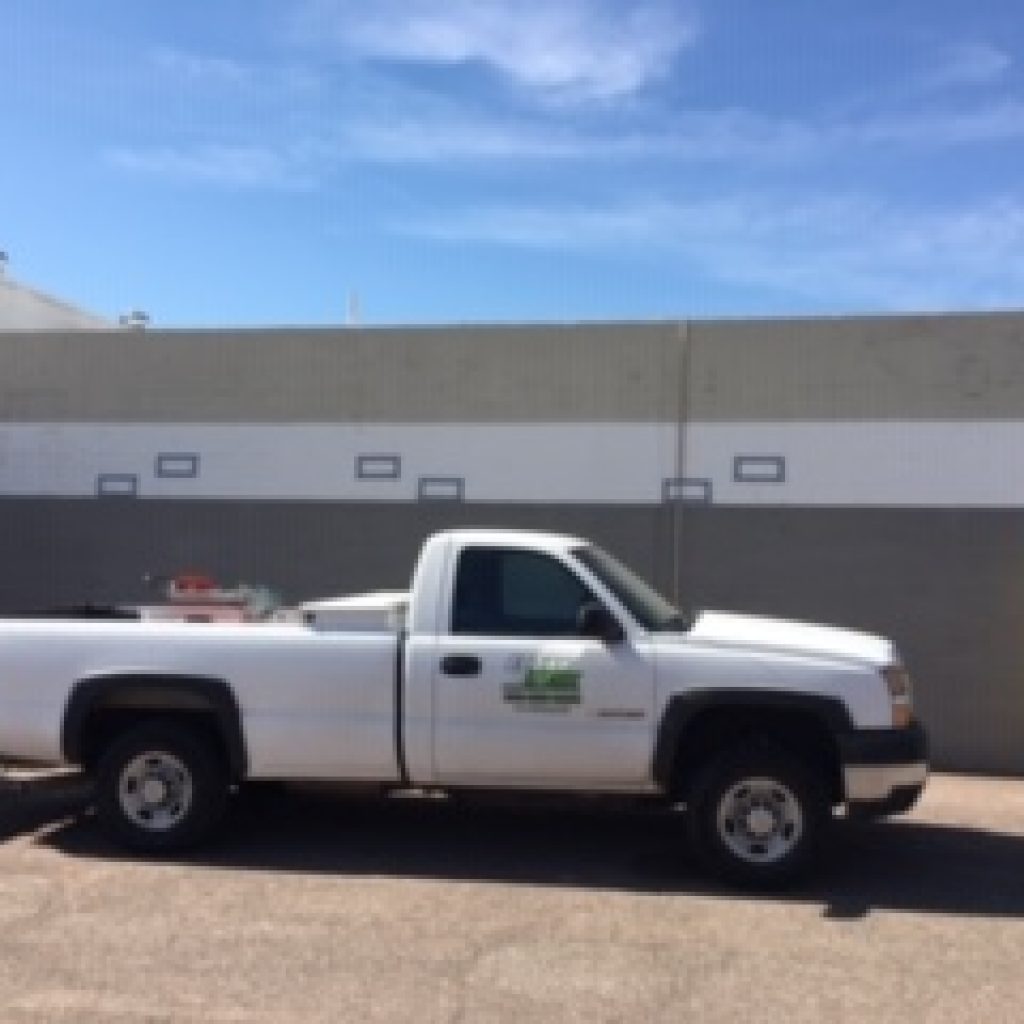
x: 547, y: 686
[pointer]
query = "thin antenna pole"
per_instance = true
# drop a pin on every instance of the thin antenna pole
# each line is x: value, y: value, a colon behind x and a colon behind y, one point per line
x: 353, y: 316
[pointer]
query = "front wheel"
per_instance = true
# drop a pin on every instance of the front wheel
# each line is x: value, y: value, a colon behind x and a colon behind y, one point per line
x: 757, y: 817
x: 159, y: 787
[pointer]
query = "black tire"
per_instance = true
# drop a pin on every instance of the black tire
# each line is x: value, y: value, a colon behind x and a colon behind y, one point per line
x: 160, y: 787
x: 758, y: 817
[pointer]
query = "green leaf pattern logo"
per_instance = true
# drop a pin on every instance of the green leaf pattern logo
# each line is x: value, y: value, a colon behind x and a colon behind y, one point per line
x: 549, y: 685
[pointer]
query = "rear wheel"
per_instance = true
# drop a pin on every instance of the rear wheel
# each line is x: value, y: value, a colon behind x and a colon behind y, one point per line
x: 758, y: 817
x: 159, y: 787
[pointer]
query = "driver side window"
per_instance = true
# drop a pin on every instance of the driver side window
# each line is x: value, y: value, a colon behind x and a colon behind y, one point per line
x: 511, y: 592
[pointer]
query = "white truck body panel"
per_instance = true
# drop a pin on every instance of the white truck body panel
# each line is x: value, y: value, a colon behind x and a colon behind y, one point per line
x: 313, y: 704
x: 767, y: 634
x: 604, y: 740
x: 690, y: 663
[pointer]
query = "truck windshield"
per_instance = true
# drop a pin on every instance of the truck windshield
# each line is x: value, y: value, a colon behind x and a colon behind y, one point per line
x: 642, y: 601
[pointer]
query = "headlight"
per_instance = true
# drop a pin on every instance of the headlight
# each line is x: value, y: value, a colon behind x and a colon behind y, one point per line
x: 897, y: 681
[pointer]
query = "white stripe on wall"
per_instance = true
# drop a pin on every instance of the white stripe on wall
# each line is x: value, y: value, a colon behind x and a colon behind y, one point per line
x: 825, y: 463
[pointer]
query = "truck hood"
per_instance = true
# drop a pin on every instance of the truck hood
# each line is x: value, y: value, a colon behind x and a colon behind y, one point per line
x: 752, y: 632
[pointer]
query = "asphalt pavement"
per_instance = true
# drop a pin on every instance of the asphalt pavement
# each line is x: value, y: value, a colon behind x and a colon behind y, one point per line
x: 314, y: 906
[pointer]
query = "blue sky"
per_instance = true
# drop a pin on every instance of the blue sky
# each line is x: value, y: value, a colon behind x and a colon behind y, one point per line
x: 257, y: 161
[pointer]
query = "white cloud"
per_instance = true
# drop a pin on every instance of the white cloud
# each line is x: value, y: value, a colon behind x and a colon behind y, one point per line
x: 200, y: 68
x: 222, y: 165
x: 413, y: 139
x: 563, y: 49
x: 992, y: 122
x: 967, y: 64
x: 422, y: 133
x: 213, y: 73
x: 443, y: 134
x: 405, y: 128
x: 438, y: 134
x: 836, y: 251
x: 289, y: 125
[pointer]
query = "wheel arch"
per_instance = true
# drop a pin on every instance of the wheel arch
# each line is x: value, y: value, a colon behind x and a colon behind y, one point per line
x: 137, y: 695
x: 701, y: 723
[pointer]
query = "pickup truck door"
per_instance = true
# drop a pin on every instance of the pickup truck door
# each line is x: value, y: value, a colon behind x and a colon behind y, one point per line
x: 520, y: 698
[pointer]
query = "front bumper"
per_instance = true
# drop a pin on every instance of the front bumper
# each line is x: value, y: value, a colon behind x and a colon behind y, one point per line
x: 884, y: 770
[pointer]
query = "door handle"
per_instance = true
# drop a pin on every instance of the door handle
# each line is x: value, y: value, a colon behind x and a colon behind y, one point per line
x: 461, y: 665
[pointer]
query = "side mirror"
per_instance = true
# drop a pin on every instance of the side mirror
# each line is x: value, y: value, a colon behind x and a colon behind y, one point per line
x: 594, y: 620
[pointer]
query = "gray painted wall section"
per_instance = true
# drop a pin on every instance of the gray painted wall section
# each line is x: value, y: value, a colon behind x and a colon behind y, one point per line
x: 603, y: 372
x: 892, y: 368
x: 946, y: 584
x: 929, y: 367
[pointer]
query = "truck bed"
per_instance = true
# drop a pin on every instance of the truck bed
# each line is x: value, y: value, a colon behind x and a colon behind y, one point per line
x: 313, y: 703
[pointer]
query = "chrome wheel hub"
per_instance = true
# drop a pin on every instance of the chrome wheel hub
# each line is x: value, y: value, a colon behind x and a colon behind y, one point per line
x: 155, y: 790
x: 759, y: 820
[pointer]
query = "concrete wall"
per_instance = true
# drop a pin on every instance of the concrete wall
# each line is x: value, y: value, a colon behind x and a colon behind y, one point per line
x: 900, y: 508
x: 862, y: 368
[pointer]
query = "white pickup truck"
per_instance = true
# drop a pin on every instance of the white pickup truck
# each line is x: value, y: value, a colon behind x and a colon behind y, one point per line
x: 516, y: 661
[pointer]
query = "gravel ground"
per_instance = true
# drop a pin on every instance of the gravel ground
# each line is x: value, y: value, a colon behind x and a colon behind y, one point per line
x: 313, y: 906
